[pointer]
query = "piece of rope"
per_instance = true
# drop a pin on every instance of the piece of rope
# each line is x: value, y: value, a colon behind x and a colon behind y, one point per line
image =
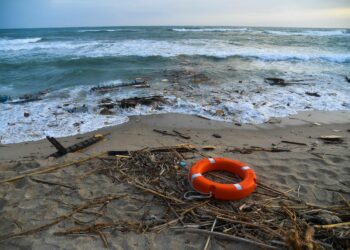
x: 193, y: 195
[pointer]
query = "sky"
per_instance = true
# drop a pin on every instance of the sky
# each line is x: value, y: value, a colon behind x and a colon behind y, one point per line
x: 79, y: 13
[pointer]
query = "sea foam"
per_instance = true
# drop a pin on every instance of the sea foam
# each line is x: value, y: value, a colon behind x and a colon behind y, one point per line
x: 191, y: 47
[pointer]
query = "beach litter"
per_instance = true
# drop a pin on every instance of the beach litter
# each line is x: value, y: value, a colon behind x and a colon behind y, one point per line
x: 249, y: 150
x: 332, y: 139
x: 173, y: 133
x: 269, y: 218
x: 137, y: 83
x: 61, y: 150
x: 147, y: 100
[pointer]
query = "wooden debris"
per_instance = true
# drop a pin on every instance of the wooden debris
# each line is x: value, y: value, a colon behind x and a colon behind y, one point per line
x: 60, y: 149
x: 187, y: 137
x: 276, y: 81
x: 315, y: 94
x: 332, y: 139
x: 208, y: 148
x: 294, y: 142
x: 109, y: 88
x: 78, y: 146
x: 249, y: 150
x: 163, y: 132
x: 225, y: 236
x: 148, y: 100
x: 203, y: 117
x: 275, y: 222
x: 282, y: 82
x: 182, y: 148
x: 347, y: 78
x: 52, y: 183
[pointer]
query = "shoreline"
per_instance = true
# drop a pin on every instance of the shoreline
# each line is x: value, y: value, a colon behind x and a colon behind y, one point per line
x: 142, y: 126
x: 312, y: 171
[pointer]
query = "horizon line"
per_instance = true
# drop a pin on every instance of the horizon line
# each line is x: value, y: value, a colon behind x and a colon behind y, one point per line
x: 244, y: 26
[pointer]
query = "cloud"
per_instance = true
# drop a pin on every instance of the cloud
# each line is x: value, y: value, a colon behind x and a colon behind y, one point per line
x: 48, y: 13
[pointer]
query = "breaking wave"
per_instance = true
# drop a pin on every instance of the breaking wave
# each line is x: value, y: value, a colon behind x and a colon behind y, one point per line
x: 19, y: 41
x: 309, y: 33
x: 191, y: 47
x: 210, y: 29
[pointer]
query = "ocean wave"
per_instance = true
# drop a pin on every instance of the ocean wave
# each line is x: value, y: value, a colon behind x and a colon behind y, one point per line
x: 100, y: 30
x: 49, y: 117
x: 210, y: 29
x: 190, y: 47
x: 18, y: 41
x: 309, y: 33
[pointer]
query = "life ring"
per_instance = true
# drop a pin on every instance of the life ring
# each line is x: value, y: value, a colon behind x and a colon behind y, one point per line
x: 218, y: 190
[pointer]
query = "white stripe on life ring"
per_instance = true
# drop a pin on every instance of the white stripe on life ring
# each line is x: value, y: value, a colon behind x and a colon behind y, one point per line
x: 245, y: 168
x: 239, y: 187
x: 212, y: 160
x: 194, y: 176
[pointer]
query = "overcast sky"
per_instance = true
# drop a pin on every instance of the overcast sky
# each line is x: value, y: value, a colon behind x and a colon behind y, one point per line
x: 73, y: 13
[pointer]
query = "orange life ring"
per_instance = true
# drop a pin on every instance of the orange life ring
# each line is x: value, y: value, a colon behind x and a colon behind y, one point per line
x: 218, y: 190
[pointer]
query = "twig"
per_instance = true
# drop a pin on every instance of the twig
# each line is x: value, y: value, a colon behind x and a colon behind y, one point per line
x: 61, y: 218
x: 294, y: 142
x: 49, y: 169
x: 52, y: 183
x: 343, y: 224
x: 208, y: 240
x: 225, y: 236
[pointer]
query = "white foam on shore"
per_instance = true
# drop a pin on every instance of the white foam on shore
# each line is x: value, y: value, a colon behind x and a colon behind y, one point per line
x: 210, y: 29
x: 201, y: 47
x: 50, y: 117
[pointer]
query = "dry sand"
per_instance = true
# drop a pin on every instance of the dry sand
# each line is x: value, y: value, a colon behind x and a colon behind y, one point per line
x: 317, y: 172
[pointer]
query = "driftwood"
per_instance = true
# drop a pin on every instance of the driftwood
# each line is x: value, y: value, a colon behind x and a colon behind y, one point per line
x: 78, y: 146
x: 332, y: 139
x: 252, y: 149
x: 315, y: 94
x: 269, y: 218
x: 109, y: 88
x: 30, y: 97
x: 175, y: 133
x: 182, y: 148
x: 282, y: 82
x: 294, y: 142
x: 148, y: 100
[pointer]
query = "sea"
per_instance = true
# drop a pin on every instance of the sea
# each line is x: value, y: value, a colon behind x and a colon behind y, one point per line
x: 219, y: 73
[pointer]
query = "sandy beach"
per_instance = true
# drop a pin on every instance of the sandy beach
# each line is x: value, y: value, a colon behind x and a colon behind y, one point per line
x: 310, y: 170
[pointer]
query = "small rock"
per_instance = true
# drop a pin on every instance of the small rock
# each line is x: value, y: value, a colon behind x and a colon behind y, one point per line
x: 220, y: 112
x: 216, y: 135
x: 76, y: 124
x: 323, y: 218
x: 106, y: 111
x: 26, y: 114
x: 274, y: 120
x: 313, y: 94
x: 347, y: 78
